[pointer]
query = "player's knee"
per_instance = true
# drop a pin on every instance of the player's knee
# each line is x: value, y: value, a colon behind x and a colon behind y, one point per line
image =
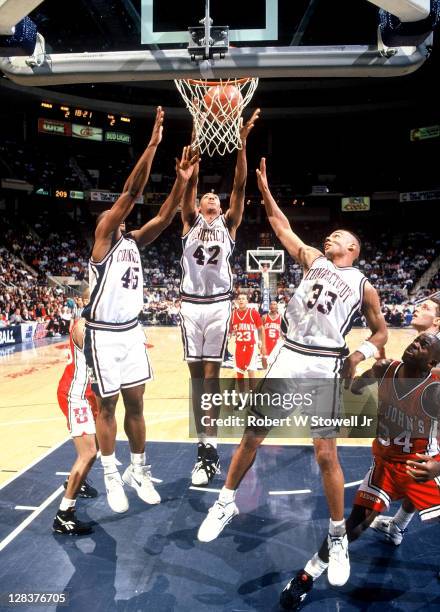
x: 251, y: 441
x: 134, y: 408
x: 326, y: 458
x: 107, y: 407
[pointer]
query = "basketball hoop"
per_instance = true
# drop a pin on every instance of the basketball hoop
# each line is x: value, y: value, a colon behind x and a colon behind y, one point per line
x: 216, y: 108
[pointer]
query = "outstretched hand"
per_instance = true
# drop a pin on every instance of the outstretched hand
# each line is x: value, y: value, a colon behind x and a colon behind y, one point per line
x: 156, y: 134
x: 349, y: 369
x: 247, y: 127
x: 423, y: 469
x: 185, y: 165
x: 262, y: 176
x: 357, y: 386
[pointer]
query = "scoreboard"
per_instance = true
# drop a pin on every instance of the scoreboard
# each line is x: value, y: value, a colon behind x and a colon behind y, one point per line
x: 85, y: 116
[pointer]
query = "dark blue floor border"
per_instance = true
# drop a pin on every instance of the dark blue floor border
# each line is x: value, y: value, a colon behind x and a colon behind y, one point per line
x: 150, y: 559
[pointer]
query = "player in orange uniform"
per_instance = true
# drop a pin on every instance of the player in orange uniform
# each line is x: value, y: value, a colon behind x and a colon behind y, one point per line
x: 78, y: 403
x: 426, y: 318
x: 406, y: 451
x: 247, y: 326
x: 272, y: 327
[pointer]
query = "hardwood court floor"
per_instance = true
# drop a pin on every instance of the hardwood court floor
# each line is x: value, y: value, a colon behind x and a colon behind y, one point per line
x: 31, y: 422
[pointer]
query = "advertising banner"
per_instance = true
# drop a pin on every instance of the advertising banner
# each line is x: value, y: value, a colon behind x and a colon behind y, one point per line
x: 355, y: 204
x: 10, y: 335
x: 50, y: 126
x: 86, y: 132
x: 106, y: 196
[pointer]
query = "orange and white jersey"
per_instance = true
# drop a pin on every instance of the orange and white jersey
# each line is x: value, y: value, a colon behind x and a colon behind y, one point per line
x: 404, y: 425
x: 244, y: 325
x: 272, y: 331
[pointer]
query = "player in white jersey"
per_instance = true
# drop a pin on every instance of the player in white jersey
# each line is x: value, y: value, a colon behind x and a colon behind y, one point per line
x: 115, y: 346
x: 206, y: 293
x: 316, y: 320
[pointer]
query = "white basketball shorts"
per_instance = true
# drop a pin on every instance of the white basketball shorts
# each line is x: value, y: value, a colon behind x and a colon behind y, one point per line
x: 116, y: 359
x: 205, y: 330
x: 314, y: 377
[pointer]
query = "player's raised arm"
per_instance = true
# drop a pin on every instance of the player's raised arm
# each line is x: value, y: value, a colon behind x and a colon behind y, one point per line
x: 379, y: 333
x: 296, y: 248
x: 151, y: 230
x: 189, y: 212
x: 133, y: 187
x: 236, y: 205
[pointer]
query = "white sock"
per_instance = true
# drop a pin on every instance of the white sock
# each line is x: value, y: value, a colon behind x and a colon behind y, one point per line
x: 336, y: 528
x: 137, y: 459
x: 211, y: 441
x: 109, y: 463
x: 227, y: 495
x: 315, y: 567
x: 67, y: 503
x: 202, y: 438
x: 402, y: 519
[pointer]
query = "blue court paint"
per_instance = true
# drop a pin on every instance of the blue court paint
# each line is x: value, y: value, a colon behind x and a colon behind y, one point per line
x: 150, y: 559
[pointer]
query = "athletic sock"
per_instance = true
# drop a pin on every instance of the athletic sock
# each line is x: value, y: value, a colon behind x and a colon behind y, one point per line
x: 402, y: 519
x: 336, y: 528
x: 211, y: 441
x: 227, y: 496
x: 67, y: 503
x: 315, y: 567
x: 137, y: 459
x: 109, y: 463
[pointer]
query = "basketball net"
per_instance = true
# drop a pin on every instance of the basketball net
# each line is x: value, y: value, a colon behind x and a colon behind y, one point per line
x: 217, y: 118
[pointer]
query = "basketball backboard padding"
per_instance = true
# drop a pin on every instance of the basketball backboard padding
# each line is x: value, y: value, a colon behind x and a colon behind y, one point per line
x: 405, y: 10
x: 256, y: 258
x: 265, y: 62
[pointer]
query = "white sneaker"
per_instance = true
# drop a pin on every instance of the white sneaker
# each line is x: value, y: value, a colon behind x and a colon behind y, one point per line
x: 219, y: 515
x: 388, y: 528
x: 117, y: 500
x: 338, y: 563
x: 140, y: 479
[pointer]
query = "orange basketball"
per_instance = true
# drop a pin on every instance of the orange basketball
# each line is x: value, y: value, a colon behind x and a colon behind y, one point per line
x: 222, y: 100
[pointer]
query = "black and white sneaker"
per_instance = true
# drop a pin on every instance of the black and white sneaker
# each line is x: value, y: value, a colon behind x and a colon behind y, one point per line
x: 295, y: 591
x: 66, y: 523
x: 206, y: 466
x: 86, y: 491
